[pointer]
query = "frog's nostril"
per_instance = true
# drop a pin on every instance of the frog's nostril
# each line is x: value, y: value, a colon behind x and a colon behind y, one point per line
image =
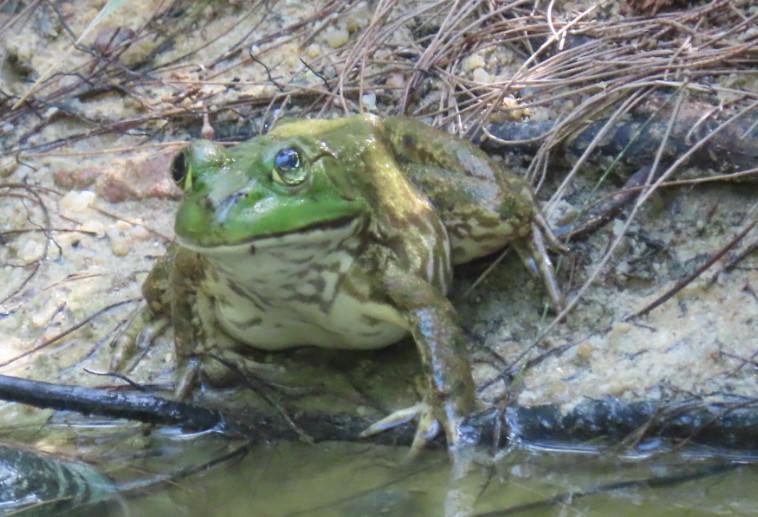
x: 222, y: 210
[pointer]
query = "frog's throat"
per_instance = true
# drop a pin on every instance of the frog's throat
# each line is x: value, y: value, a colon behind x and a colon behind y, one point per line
x: 335, y: 231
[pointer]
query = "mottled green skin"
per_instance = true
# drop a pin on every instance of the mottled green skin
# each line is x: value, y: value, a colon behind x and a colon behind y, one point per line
x: 356, y: 252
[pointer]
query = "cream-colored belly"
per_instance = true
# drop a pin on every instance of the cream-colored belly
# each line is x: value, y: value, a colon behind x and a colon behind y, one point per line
x: 292, y: 291
x: 306, y: 289
x: 346, y: 323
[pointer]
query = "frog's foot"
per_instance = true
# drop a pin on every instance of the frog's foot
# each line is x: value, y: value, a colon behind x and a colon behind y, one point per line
x: 428, y: 425
x: 187, y: 377
x: 140, y: 332
x: 221, y: 369
x: 533, y: 252
x: 540, y: 225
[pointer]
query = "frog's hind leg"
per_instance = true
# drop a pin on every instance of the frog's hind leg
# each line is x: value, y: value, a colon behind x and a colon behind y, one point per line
x: 534, y: 253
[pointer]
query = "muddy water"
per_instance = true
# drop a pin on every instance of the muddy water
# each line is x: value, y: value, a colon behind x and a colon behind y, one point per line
x: 357, y: 480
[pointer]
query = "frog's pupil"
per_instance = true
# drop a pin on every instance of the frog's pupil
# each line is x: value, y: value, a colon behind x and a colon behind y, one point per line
x: 287, y: 160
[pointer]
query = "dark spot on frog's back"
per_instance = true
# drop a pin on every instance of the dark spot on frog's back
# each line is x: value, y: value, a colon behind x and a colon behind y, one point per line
x: 460, y: 230
x: 252, y: 249
x: 409, y: 142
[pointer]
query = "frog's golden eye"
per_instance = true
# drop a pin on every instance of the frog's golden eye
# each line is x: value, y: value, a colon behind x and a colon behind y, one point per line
x: 180, y: 172
x: 288, y: 167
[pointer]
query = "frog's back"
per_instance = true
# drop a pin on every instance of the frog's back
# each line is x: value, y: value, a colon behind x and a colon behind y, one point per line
x: 483, y: 205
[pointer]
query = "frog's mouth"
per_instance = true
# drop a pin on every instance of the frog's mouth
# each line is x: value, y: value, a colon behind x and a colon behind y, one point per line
x: 321, y: 234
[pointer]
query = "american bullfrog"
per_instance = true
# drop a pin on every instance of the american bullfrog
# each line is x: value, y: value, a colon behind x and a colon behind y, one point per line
x: 340, y: 234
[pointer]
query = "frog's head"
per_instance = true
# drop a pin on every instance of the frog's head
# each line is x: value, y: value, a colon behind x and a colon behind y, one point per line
x: 269, y: 187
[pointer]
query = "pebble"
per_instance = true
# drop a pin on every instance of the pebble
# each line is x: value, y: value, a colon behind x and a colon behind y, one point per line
x: 336, y: 37
x: 77, y: 200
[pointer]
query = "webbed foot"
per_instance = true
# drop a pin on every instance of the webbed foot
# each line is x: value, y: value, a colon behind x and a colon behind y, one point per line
x: 428, y: 427
x: 220, y: 369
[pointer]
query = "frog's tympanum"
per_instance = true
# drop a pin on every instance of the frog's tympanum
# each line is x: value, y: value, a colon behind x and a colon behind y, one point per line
x: 339, y: 234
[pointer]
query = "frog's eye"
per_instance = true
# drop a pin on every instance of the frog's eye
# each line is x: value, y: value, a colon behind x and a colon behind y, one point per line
x: 180, y: 172
x: 288, y: 167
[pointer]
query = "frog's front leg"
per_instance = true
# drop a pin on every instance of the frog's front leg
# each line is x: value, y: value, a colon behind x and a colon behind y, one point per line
x: 203, y: 350
x: 449, y: 390
x: 151, y: 321
x: 188, y: 363
x: 205, y: 353
x: 197, y: 338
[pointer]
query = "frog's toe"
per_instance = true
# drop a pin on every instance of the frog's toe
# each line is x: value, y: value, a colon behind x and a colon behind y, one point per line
x: 188, y: 372
x: 224, y: 369
x: 428, y: 428
x: 394, y: 419
x: 141, y: 331
x: 534, y: 254
x: 428, y: 425
x: 229, y: 367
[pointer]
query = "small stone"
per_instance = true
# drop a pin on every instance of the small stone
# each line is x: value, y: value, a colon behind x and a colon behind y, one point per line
x: 619, y: 328
x: 336, y: 37
x: 359, y: 16
x: 481, y: 75
x: 395, y: 81
x: 139, y: 177
x: 369, y: 100
x: 78, y: 179
x: 7, y: 167
x: 140, y: 233
x: 31, y: 251
x: 584, y: 350
x: 119, y: 247
x: 472, y: 62
x: 77, y: 200
x: 95, y: 227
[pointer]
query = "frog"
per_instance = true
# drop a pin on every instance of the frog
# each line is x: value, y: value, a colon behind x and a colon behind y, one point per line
x: 342, y: 234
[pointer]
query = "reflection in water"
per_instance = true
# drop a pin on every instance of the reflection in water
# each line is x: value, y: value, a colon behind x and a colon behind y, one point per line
x: 344, y: 479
